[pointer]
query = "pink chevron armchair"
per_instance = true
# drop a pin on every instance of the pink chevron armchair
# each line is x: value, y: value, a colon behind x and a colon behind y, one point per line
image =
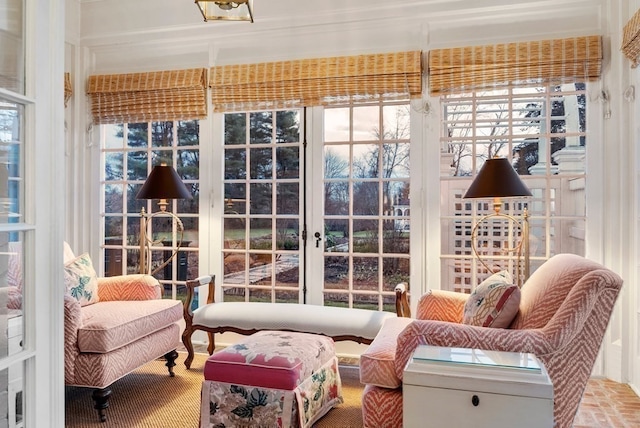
x: 114, y: 328
x: 564, y: 310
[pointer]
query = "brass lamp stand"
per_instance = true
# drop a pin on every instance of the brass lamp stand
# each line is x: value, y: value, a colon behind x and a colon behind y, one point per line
x: 497, y: 180
x: 163, y: 183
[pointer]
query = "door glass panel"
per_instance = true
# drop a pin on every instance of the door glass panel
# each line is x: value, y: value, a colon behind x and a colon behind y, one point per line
x: 262, y: 216
x: 366, y: 204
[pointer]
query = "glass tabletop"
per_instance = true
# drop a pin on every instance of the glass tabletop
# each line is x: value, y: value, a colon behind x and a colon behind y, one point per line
x: 479, y: 357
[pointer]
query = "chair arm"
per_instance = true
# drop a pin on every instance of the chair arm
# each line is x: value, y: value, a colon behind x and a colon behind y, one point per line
x: 129, y: 287
x: 440, y: 333
x: 441, y: 305
x: 191, y: 294
x: 72, y: 322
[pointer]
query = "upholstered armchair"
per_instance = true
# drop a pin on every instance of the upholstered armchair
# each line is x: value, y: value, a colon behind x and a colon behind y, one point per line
x: 113, y: 326
x: 564, y: 310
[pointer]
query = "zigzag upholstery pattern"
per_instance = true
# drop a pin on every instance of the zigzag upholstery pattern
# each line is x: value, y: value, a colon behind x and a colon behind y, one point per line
x: 381, y: 407
x: 128, y: 287
x: 129, y: 327
x: 91, y: 370
x: 377, y: 363
x: 110, y: 325
x: 565, y: 309
x: 441, y: 305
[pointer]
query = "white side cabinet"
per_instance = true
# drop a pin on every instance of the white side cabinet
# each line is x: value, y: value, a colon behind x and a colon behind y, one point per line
x: 460, y: 387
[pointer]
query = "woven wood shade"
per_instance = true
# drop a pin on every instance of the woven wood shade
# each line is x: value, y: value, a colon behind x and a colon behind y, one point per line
x: 490, y: 66
x: 319, y: 81
x: 145, y: 97
x: 68, y: 90
x: 631, y: 39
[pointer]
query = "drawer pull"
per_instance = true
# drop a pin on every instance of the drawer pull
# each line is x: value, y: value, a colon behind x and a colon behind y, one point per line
x: 475, y: 400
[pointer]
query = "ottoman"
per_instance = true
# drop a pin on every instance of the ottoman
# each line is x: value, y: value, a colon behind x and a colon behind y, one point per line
x: 271, y: 379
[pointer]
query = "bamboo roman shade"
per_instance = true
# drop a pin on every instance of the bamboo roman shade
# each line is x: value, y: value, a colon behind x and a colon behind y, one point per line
x: 151, y: 96
x: 631, y: 39
x: 317, y: 81
x: 68, y: 90
x: 490, y: 66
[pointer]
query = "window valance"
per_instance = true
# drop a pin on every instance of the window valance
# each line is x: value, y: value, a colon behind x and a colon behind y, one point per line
x: 631, y: 39
x: 68, y: 89
x: 150, y: 96
x: 490, y: 66
x: 318, y: 81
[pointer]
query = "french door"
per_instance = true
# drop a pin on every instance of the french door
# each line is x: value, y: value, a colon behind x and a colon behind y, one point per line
x: 321, y: 216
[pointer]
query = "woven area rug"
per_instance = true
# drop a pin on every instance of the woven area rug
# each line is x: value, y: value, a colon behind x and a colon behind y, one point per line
x: 149, y: 398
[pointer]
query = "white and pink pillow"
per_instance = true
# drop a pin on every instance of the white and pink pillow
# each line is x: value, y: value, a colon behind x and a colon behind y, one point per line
x: 494, y: 302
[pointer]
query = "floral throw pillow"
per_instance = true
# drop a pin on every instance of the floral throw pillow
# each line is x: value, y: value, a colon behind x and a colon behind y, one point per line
x: 494, y: 303
x: 80, y: 280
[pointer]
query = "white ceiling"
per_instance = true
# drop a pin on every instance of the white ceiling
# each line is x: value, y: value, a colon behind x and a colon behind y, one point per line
x: 117, y: 30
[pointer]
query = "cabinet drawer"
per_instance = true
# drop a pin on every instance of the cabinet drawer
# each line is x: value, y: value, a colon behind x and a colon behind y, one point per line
x: 439, y: 407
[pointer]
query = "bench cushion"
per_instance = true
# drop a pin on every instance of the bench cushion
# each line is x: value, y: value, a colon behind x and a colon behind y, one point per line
x: 106, y: 326
x: 327, y: 320
x: 270, y: 359
x: 377, y: 363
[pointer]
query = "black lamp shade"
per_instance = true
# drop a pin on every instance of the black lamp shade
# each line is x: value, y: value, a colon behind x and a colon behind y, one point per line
x: 164, y: 183
x: 497, y: 179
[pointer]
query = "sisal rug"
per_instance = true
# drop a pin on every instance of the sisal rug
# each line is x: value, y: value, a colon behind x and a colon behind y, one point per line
x: 149, y: 398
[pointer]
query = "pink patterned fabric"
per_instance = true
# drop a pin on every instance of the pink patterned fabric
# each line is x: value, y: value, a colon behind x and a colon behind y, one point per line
x: 126, y: 329
x: 381, y: 407
x: 565, y: 308
x: 129, y: 287
x: 377, y: 363
x: 271, y: 378
x: 107, y: 326
x: 441, y: 305
x: 101, y: 370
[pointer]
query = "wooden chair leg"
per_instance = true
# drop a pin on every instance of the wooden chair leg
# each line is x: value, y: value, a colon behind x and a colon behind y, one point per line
x: 186, y: 341
x: 101, y: 398
x: 171, y: 361
x: 212, y: 344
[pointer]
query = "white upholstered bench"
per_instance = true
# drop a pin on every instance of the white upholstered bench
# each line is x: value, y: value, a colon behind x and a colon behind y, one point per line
x: 339, y: 323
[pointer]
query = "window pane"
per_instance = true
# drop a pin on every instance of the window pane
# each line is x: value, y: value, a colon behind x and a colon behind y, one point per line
x: 12, y: 46
x: 336, y: 124
x: 366, y: 123
x: 11, y: 161
x: 261, y: 128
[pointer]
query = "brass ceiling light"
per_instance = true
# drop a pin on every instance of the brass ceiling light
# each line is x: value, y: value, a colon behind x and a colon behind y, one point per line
x: 224, y: 10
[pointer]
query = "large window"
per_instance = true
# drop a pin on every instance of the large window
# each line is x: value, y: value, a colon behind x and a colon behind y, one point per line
x: 542, y: 130
x: 129, y: 153
x: 345, y: 219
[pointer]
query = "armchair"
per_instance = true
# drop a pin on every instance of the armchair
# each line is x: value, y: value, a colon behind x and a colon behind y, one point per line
x: 107, y: 337
x: 564, y: 310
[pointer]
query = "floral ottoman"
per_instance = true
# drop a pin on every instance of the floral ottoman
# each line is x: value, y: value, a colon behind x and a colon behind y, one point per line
x: 271, y: 379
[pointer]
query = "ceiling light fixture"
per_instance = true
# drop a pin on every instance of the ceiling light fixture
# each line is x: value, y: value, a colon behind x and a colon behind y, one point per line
x: 222, y: 10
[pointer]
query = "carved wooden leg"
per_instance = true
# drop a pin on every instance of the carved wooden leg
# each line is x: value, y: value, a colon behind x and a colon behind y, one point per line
x: 101, y: 398
x: 171, y: 361
x: 212, y: 343
x: 186, y: 341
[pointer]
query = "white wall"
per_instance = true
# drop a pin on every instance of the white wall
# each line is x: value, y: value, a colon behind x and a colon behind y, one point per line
x: 112, y: 36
